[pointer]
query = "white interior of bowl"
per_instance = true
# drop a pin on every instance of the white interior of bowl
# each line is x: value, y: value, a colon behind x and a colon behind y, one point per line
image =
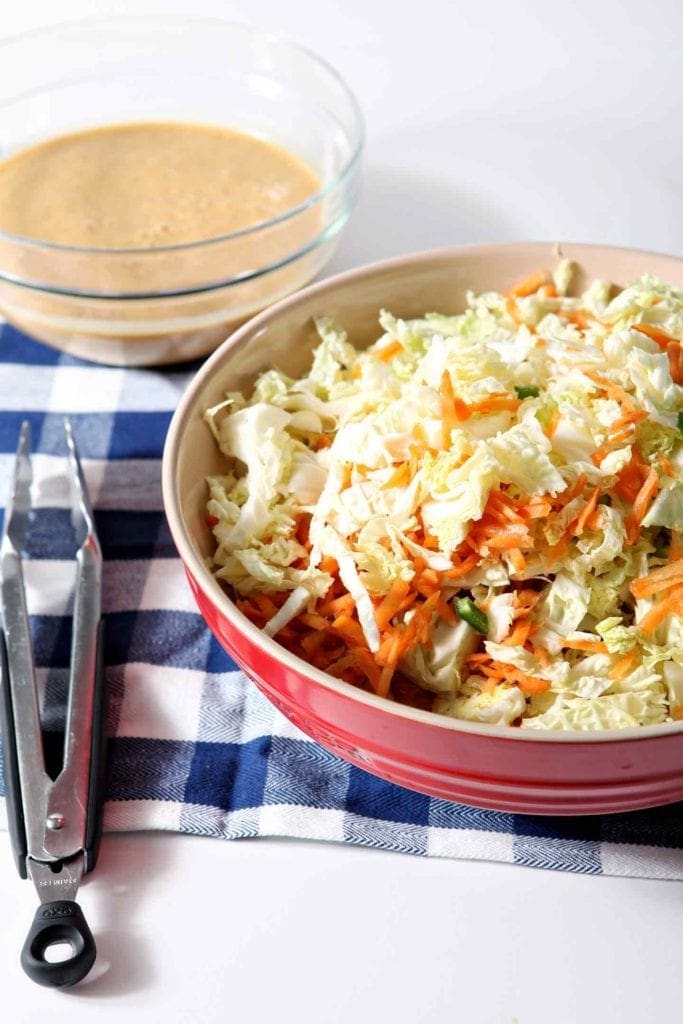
x: 284, y: 337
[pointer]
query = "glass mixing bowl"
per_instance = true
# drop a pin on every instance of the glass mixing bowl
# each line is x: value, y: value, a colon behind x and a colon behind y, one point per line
x: 136, y: 307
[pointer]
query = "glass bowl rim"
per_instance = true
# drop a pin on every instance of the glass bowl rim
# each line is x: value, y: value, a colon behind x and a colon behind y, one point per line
x: 357, y: 137
x: 328, y: 233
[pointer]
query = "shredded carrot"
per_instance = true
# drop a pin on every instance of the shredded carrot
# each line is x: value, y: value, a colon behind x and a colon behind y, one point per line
x: 641, y: 504
x: 661, y: 338
x: 500, y: 530
x: 538, y: 508
x: 249, y: 608
x: 427, y: 583
x: 669, y: 604
x: 399, y: 478
x: 579, y: 318
x: 478, y: 656
x: 420, y: 435
x: 312, y: 620
x: 324, y: 441
x: 593, y: 646
x: 529, y: 284
x: 360, y: 660
x: 312, y: 643
x: 343, y: 605
x: 656, y: 615
x: 498, y: 515
x: 350, y: 630
x: 462, y: 409
x: 389, y: 351
x: 408, y: 602
x: 677, y: 714
x: 674, y: 351
x: 627, y: 419
x: 329, y: 565
x: 497, y: 670
x: 393, y: 656
x: 504, y: 505
x: 667, y: 467
x: 509, y: 539
x: 532, y: 686
x: 553, y: 423
x: 519, y: 635
x: 418, y: 629
x: 594, y: 521
x: 496, y: 403
x: 586, y: 512
x: 448, y: 416
x: 391, y: 603
x: 613, y: 390
x: 655, y: 582
x: 600, y: 453
x: 467, y: 564
x: 676, y: 546
x: 446, y: 612
x: 525, y: 600
x: 471, y: 543
x: 542, y: 655
x: 511, y: 308
x: 572, y: 492
x: 518, y: 560
x: 265, y: 604
x: 624, y: 665
x: 416, y: 454
x: 630, y: 479
x: 554, y: 553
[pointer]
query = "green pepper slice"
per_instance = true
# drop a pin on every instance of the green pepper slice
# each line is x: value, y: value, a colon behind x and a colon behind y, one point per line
x: 473, y: 616
x: 527, y: 391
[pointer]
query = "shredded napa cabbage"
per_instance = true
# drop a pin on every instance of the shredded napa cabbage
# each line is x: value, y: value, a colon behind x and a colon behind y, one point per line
x: 484, y: 507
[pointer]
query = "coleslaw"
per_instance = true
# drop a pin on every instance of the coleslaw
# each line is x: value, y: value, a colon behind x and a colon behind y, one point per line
x: 481, y: 513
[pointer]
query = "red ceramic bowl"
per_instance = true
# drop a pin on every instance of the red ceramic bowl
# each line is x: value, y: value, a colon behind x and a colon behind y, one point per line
x: 487, y: 766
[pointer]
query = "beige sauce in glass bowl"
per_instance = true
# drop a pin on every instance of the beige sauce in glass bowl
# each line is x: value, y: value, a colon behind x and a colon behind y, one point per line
x: 146, y: 185
x: 166, y: 234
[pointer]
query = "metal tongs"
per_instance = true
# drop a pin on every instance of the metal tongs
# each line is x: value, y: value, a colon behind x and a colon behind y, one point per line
x: 55, y: 824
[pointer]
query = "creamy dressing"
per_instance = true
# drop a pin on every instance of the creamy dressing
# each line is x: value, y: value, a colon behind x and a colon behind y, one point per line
x: 148, y: 185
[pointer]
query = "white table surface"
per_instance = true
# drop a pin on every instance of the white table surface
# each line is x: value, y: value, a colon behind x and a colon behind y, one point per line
x: 487, y: 121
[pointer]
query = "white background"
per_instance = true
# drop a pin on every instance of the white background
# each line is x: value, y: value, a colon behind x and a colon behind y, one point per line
x: 486, y: 121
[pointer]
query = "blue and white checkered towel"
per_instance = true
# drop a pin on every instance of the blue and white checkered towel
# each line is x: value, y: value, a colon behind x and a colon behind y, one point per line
x: 196, y: 747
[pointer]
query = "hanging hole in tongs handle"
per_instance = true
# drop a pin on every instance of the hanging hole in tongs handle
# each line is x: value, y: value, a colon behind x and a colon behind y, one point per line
x: 55, y: 924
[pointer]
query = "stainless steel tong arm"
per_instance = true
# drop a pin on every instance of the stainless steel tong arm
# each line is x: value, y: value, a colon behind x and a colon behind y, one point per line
x: 55, y: 812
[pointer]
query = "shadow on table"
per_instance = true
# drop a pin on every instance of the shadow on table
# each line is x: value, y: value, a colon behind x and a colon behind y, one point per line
x: 402, y: 211
x: 118, y: 901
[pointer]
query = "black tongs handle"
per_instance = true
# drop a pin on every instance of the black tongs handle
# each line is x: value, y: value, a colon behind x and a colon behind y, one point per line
x: 10, y: 765
x: 57, y: 922
x: 98, y: 757
x: 60, y: 920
